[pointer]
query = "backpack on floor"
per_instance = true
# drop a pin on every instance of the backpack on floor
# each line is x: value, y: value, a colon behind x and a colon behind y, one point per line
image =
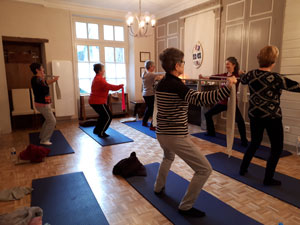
x: 129, y: 167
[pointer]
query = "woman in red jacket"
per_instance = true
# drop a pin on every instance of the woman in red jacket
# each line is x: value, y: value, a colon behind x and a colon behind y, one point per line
x: 98, y: 100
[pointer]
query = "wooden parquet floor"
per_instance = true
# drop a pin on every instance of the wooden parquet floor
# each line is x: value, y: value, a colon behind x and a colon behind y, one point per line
x: 120, y: 203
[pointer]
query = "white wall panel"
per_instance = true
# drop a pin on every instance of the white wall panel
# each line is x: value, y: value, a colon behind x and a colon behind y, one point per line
x: 66, y: 105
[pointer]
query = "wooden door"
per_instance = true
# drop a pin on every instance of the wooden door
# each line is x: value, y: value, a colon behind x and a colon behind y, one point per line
x: 18, y: 57
x: 246, y: 27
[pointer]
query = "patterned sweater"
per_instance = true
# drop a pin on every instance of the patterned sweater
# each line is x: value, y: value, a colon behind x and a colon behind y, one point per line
x: 265, y: 91
x: 173, y: 98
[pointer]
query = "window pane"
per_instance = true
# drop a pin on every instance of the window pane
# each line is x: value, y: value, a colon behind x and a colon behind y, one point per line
x: 93, y: 31
x: 120, y: 55
x: 85, y: 85
x: 94, y: 54
x: 82, y: 54
x: 91, y: 70
x: 108, y: 33
x: 109, y: 54
x: 110, y: 70
x: 119, y: 33
x: 120, y: 71
x: 83, y: 70
x: 81, y: 30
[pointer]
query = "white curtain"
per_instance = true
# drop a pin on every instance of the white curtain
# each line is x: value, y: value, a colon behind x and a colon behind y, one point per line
x: 201, y: 28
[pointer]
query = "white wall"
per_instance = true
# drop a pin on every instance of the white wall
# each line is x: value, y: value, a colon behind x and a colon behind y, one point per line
x: 32, y: 21
x: 290, y: 63
x: 26, y: 20
x: 137, y: 45
x: 201, y: 28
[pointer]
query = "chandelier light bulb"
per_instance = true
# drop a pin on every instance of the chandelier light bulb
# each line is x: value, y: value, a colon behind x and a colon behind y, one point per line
x: 142, y: 24
x: 147, y: 17
x: 139, y: 23
x: 153, y: 21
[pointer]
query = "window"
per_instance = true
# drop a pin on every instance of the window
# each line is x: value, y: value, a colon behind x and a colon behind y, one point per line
x: 87, y: 56
x: 86, y: 31
x: 113, y: 33
x: 115, y: 65
x: 100, y: 41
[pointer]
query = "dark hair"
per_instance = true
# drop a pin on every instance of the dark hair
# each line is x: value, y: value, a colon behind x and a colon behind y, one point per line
x: 148, y: 64
x: 34, y: 67
x: 169, y: 58
x: 267, y: 56
x: 98, y: 67
x: 234, y: 61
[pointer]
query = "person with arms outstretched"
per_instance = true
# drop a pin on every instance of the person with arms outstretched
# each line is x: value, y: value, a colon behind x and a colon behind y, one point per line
x: 264, y: 110
x: 173, y: 98
x: 98, y: 100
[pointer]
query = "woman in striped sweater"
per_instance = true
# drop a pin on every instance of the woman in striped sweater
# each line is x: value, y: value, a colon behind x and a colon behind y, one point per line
x: 173, y: 98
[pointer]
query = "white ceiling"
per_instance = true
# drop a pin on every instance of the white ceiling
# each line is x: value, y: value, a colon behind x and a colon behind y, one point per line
x: 160, y: 8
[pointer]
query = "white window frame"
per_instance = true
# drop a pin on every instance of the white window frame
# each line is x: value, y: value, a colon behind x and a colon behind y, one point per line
x: 101, y: 42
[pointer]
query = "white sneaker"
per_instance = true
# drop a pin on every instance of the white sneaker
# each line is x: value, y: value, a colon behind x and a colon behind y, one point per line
x: 46, y: 143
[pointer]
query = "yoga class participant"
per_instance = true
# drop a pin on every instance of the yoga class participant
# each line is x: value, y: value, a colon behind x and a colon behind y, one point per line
x: 149, y: 77
x: 264, y: 110
x: 173, y: 98
x: 98, y: 100
x: 233, y: 69
x: 42, y: 101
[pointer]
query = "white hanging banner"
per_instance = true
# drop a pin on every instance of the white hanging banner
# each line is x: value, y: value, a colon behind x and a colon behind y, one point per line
x: 199, y: 43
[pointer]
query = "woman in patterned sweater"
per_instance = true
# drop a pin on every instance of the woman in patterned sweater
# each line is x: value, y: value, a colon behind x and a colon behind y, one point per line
x: 264, y: 109
x: 173, y: 98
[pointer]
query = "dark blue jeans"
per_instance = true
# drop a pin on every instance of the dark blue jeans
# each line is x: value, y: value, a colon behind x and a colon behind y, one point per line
x: 149, y: 100
x: 104, y: 119
x: 220, y: 108
x: 275, y: 133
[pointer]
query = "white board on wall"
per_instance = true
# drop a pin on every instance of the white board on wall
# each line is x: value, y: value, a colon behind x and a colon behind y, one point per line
x: 201, y: 28
x: 66, y: 105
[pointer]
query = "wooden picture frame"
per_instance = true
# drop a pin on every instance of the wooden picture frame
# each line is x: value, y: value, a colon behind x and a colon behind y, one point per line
x: 142, y: 70
x: 144, y: 56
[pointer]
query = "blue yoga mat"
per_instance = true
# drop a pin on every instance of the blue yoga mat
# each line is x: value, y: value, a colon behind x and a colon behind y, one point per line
x: 67, y: 199
x: 262, y: 153
x: 138, y: 126
x: 288, y: 191
x: 114, y: 136
x: 59, y: 146
x: 217, y: 212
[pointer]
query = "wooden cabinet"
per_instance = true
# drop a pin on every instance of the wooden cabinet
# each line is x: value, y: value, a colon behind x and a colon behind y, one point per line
x: 114, y: 103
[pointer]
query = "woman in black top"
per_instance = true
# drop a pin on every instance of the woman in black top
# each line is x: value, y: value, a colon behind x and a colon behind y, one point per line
x: 42, y: 101
x: 264, y: 109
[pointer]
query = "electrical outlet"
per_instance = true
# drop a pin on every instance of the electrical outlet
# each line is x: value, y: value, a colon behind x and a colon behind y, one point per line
x: 286, y: 129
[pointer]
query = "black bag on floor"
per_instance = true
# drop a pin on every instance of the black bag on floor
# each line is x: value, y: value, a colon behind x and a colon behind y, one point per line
x: 129, y: 167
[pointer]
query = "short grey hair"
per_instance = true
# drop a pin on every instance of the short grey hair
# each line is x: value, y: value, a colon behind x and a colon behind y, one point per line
x: 148, y: 64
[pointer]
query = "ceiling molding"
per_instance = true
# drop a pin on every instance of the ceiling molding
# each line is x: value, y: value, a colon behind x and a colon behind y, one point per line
x: 78, y: 8
x: 178, y: 7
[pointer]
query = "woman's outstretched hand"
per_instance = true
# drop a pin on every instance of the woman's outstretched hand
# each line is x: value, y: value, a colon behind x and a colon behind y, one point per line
x: 231, y: 80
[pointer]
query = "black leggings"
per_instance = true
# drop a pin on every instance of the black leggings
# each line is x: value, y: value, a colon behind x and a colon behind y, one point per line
x: 220, y: 108
x: 275, y: 133
x: 149, y: 100
x: 104, y: 119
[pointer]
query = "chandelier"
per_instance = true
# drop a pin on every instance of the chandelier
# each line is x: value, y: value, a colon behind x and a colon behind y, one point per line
x: 138, y: 23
